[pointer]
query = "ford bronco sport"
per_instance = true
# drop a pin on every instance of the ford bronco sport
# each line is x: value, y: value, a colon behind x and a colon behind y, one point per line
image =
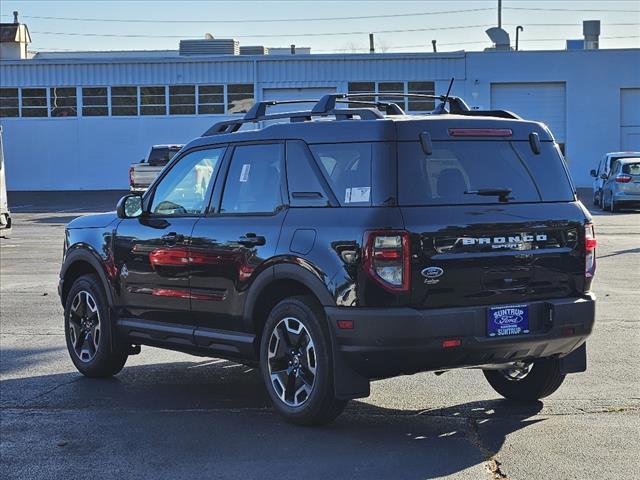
x: 342, y: 244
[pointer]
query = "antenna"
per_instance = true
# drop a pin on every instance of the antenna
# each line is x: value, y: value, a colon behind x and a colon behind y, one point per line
x: 441, y: 107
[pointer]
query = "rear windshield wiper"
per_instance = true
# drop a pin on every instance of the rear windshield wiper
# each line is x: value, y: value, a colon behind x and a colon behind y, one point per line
x: 501, y: 193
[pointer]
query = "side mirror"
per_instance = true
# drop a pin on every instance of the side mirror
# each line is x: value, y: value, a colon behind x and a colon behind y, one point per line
x: 534, y: 143
x: 593, y: 173
x: 425, y: 142
x: 129, y: 206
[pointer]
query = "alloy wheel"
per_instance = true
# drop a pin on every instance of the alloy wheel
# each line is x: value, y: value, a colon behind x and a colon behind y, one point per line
x: 292, y: 361
x: 519, y: 371
x: 84, y: 326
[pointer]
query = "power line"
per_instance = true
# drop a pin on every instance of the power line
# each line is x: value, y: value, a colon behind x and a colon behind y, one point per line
x: 320, y: 19
x: 263, y: 20
x: 326, y: 34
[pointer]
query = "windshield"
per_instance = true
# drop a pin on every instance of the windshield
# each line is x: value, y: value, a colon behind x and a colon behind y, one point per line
x: 468, y: 172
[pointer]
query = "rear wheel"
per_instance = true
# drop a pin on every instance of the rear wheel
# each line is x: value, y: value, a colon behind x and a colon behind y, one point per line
x: 87, y: 329
x: 296, y: 363
x: 613, y: 208
x: 527, y: 381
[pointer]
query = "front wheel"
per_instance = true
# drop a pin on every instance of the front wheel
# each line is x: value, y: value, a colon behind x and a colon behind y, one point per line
x: 527, y: 381
x: 87, y: 329
x: 296, y: 363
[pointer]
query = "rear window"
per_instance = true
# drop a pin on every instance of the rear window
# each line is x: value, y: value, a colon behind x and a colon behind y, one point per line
x: 161, y: 156
x: 456, y: 171
x: 631, y: 168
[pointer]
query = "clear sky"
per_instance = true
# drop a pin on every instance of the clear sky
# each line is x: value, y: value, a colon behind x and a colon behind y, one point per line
x: 399, y: 26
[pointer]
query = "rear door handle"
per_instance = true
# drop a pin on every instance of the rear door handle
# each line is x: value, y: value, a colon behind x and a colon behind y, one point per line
x: 172, y: 237
x: 252, y: 240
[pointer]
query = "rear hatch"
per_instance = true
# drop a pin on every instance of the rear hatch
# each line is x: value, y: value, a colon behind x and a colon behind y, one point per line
x: 628, y: 181
x: 490, y: 222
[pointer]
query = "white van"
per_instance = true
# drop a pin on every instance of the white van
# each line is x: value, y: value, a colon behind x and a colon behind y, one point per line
x: 603, y: 171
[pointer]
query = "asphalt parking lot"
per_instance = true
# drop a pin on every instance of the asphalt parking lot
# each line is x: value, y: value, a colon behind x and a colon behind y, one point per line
x: 170, y: 415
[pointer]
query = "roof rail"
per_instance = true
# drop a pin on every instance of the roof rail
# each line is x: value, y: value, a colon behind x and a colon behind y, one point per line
x: 327, y: 106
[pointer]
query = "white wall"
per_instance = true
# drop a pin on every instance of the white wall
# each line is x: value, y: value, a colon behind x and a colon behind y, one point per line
x: 593, y: 80
x: 87, y: 153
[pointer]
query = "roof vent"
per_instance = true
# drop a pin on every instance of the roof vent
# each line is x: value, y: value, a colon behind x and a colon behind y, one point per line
x: 210, y: 46
x: 500, y: 39
x: 591, y: 32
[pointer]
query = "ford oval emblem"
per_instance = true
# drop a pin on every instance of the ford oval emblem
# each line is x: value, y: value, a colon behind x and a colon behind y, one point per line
x: 432, y: 272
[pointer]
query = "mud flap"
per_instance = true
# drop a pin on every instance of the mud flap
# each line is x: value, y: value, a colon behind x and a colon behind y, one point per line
x: 575, y: 362
x: 347, y: 383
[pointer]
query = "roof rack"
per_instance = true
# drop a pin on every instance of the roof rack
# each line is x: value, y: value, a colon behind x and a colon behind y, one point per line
x: 327, y: 106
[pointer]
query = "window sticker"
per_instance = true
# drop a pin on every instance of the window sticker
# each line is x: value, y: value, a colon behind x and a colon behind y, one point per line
x: 357, y: 194
x: 244, y: 173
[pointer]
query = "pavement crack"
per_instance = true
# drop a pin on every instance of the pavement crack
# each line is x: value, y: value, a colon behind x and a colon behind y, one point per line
x: 491, y: 463
x: 40, y: 395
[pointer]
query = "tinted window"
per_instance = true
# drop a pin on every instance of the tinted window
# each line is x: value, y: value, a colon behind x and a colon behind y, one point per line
x: 94, y: 102
x: 63, y: 102
x: 305, y: 190
x: 183, y: 190
x: 34, y: 102
x: 347, y: 168
x: 8, y: 102
x: 548, y: 170
x: 455, y: 169
x: 162, y: 155
x: 631, y: 168
x: 254, y: 180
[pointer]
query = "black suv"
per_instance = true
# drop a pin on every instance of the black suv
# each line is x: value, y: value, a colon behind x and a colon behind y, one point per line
x: 341, y: 244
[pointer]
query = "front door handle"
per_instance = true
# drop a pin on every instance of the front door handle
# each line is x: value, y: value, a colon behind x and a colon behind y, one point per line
x: 172, y: 237
x: 252, y: 240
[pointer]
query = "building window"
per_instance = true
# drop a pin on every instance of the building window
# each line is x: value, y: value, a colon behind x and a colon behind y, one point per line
x: 392, y: 87
x: 95, y: 102
x: 362, y: 87
x: 240, y: 97
x: 423, y: 88
x: 63, y: 102
x: 124, y: 101
x: 9, y: 102
x: 182, y: 100
x: 210, y: 99
x: 34, y: 102
x: 153, y: 101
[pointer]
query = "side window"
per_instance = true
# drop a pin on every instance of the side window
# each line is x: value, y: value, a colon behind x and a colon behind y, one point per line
x: 305, y: 190
x: 254, y: 180
x: 183, y: 190
x: 347, y: 169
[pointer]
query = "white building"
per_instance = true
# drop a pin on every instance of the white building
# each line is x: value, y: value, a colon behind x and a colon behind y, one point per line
x: 77, y: 120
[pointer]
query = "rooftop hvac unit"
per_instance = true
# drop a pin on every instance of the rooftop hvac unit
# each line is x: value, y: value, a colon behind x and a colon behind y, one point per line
x: 210, y: 46
x: 256, y: 50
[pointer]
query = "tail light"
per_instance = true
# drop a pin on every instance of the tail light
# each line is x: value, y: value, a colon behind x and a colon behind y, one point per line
x: 621, y: 178
x: 589, y: 250
x: 386, y: 259
x: 131, y: 176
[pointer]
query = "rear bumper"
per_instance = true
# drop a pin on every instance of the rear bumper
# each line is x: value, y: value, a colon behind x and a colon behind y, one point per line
x: 394, y: 341
x: 627, y: 198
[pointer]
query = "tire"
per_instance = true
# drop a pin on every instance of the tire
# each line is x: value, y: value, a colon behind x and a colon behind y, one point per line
x: 86, y: 316
x: 542, y: 380
x: 612, y: 205
x: 300, y: 384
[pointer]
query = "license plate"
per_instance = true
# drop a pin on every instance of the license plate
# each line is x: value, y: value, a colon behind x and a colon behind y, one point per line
x: 507, y: 320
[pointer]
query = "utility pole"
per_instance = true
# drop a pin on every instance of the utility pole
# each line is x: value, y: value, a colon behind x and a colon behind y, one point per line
x: 499, y: 13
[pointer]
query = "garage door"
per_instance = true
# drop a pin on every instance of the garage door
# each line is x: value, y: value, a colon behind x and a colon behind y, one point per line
x: 630, y: 119
x: 295, y: 94
x: 542, y: 102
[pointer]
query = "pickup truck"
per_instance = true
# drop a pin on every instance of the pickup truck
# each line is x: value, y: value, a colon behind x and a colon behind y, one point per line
x: 142, y: 174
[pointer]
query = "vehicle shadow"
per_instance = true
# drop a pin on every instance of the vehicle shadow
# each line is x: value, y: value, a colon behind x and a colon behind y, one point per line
x: 178, y: 420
